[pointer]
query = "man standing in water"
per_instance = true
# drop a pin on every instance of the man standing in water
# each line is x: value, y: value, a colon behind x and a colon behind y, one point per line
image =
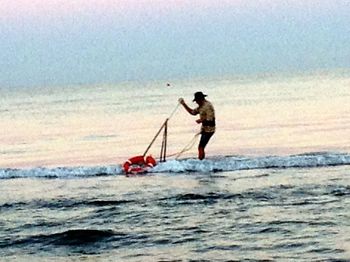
x: 206, y: 117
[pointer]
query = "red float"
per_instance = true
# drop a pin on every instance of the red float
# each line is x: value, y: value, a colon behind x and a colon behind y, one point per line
x: 139, y: 164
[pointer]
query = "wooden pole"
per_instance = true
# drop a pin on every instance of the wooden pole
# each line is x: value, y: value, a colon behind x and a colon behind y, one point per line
x: 162, y: 157
x: 144, y: 154
x: 165, y: 140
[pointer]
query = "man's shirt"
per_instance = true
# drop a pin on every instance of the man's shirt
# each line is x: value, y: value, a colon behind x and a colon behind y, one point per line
x: 207, y: 115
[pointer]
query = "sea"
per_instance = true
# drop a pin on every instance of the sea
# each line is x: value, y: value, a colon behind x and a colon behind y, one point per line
x: 274, y: 186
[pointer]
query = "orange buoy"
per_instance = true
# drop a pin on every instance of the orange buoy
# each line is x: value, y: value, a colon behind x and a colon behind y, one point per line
x: 139, y: 164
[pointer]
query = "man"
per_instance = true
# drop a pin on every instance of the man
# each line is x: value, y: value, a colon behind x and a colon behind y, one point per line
x: 206, y: 117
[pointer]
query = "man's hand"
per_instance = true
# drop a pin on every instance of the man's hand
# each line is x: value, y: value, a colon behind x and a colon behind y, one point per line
x: 181, y: 101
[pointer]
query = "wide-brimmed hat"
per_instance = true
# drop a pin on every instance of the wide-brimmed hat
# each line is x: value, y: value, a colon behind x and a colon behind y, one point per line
x: 199, y: 96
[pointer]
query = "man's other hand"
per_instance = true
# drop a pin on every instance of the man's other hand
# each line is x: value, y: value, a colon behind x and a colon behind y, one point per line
x: 181, y: 101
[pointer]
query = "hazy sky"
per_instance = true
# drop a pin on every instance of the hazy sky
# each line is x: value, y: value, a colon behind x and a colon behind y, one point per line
x: 59, y: 42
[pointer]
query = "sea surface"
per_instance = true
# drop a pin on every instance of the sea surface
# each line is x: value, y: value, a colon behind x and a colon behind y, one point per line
x: 275, y: 185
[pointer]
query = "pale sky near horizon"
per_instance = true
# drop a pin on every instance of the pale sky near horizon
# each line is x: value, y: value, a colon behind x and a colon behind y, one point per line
x: 62, y: 42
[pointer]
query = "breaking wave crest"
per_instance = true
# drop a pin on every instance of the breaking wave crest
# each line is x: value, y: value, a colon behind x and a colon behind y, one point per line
x: 216, y: 164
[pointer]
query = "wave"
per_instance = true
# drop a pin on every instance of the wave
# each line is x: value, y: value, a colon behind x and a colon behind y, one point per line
x: 60, y: 172
x: 215, y: 164
x: 69, y: 237
x: 73, y: 237
x: 303, y: 195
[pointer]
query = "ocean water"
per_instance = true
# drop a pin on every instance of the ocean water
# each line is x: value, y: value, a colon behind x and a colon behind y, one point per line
x: 274, y: 186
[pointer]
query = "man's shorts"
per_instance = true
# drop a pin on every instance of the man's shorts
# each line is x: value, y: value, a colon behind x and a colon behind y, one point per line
x: 205, y: 136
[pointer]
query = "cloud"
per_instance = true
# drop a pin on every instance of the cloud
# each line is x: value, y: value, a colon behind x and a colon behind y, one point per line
x: 111, y: 40
x: 10, y: 9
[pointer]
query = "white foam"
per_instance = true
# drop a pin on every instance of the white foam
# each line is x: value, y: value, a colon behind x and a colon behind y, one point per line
x: 232, y: 163
x: 225, y: 163
x: 60, y: 172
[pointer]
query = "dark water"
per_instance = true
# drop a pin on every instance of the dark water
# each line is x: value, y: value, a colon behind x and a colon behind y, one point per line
x: 296, y: 214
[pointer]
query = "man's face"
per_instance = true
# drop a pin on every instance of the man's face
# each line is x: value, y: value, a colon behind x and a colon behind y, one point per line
x: 199, y: 101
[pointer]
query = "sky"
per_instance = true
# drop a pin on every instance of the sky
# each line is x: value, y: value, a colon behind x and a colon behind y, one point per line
x: 65, y: 42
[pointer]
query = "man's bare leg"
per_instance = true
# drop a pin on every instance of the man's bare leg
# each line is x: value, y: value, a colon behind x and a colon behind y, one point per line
x: 201, y: 153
